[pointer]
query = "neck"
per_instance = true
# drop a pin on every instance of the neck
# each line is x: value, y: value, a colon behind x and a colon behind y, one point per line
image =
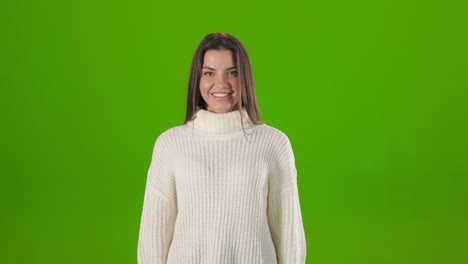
x: 220, y: 123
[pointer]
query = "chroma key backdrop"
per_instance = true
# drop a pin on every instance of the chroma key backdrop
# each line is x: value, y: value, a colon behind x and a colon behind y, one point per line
x: 372, y: 94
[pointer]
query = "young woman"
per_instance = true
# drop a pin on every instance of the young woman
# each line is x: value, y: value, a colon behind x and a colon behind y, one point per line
x: 221, y: 188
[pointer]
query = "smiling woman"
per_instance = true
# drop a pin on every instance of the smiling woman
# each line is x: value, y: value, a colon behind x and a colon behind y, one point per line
x: 221, y: 187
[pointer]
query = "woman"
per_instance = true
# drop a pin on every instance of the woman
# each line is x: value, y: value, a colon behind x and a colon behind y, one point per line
x: 221, y: 188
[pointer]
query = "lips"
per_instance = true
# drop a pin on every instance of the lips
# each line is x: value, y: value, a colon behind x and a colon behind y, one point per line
x: 220, y: 95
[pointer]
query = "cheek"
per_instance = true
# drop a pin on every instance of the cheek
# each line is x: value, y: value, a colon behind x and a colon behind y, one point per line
x: 234, y: 84
x: 203, y: 86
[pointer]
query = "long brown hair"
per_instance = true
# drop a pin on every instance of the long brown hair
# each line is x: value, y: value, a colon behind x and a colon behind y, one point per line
x: 223, y: 41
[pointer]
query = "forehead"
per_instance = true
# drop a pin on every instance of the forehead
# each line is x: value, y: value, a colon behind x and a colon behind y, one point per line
x: 218, y: 58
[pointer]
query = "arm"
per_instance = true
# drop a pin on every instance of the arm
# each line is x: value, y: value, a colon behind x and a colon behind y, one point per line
x: 159, y: 208
x: 284, y: 211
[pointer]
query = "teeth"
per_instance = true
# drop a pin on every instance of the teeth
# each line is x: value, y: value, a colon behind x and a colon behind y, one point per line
x: 220, y: 94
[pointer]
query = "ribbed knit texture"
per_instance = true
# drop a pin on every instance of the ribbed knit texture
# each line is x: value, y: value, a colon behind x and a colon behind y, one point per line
x: 215, y: 195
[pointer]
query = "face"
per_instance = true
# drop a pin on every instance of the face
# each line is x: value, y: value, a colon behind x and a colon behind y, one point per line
x: 218, y: 82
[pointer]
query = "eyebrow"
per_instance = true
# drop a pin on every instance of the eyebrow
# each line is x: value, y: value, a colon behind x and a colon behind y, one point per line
x: 210, y: 68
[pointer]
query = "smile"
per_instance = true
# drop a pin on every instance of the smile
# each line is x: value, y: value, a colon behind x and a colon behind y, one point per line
x: 220, y: 94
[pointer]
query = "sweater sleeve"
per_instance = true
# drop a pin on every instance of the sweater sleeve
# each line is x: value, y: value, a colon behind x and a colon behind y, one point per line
x: 159, y: 208
x: 284, y: 211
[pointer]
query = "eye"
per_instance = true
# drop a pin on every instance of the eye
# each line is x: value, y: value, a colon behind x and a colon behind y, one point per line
x: 234, y: 73
x: 208, y: 73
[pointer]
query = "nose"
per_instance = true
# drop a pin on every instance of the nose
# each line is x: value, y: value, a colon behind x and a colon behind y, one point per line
x: 222, y: 81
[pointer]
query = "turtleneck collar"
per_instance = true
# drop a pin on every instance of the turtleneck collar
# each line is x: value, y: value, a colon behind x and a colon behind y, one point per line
x: 219, y: 123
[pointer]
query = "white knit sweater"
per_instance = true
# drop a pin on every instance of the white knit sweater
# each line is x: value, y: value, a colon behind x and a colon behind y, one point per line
x: 216, y: 196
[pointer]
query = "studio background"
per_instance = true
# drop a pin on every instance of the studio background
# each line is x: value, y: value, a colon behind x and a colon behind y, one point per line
x: 372, y: 94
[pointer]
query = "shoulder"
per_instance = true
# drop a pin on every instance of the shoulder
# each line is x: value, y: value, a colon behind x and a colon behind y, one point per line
x: 277, y: 141
x: 167, y: 137
x: 169, y: 133
x: 275, y: 134
x: 280, y: 153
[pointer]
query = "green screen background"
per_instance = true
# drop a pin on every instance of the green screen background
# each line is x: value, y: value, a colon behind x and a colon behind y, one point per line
x: 372, y: 94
